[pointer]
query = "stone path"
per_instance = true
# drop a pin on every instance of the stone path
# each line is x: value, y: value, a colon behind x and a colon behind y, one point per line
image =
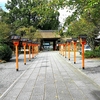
x: 51, y: 77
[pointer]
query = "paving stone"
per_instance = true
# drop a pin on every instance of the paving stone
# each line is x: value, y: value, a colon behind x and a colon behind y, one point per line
x: 38, y: 90
x: 77, y: 94
x: 50, y: 76
x: 38, y: 97
x: 25, y: 97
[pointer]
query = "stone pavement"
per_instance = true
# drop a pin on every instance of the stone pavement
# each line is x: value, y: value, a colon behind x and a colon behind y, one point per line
x: 52, y: 77
x: 92, y: 66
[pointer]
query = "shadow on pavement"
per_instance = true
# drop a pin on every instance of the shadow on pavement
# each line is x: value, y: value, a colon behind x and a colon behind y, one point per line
x: 93, y: 70
x: 96, y: 94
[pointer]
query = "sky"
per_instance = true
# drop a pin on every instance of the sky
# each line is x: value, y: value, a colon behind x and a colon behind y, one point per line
x: 64, y: 14
x: 62, y: 17
x: 2, y: 4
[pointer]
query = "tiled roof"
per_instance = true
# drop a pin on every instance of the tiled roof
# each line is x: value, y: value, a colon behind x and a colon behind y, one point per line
x: 49, y: 34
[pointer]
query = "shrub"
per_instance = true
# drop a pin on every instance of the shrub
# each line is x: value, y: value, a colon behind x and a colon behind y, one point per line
x: 92, y: 54
x: 97, y: 48
x: 5, y: 52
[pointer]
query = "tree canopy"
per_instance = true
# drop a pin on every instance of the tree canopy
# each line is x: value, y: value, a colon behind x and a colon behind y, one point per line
x: 4, y: 32
x: 37, y: 13
x: 26, y: 16
x: 5, y: 28
x: 85, y: 19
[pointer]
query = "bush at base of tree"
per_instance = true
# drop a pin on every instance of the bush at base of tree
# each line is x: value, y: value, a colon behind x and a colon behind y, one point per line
x: 92, y: 54
x: 5, y: 52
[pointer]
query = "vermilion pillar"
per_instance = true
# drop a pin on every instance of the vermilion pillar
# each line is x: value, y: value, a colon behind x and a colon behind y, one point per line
x: 75, y: 48
x: 68, y: 44
x: 83, y: 42
x: 15, y: 38
x: 32, y: 50
x: 75, y: 52
x: 29, y: 47
x: 36, y: 48
x: 62, y: 49
x: 65, y: 50
x: 29, y: 53
x: 24, y: 43
x: 16, y: 46
x: 68, y: 50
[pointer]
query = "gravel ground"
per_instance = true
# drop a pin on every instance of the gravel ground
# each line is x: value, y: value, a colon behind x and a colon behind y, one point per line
x: 8, y: 72
x: 92, y: 66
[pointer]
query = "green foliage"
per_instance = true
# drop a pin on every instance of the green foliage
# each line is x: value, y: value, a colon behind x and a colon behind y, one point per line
x: 3, y: 17
x: 4, y: 31
x: 81, y: 26
x: 37, y: 13
x: 26, y: 32
x: 92, y: 54
x: 5, y: 28
x: 97, y: 48
x: 5, y: 52
x: 47, y: 15
x: 1, y: 11
x: 84, y: 20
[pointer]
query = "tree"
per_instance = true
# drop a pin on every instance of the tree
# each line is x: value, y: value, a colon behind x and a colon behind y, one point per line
x: 89, y: 11
x: 26, y: 32
x: 4, y: 32
x: 81, y: 26
x: 1, y: 11
x: 37, y: 13
x: 5, y: 29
